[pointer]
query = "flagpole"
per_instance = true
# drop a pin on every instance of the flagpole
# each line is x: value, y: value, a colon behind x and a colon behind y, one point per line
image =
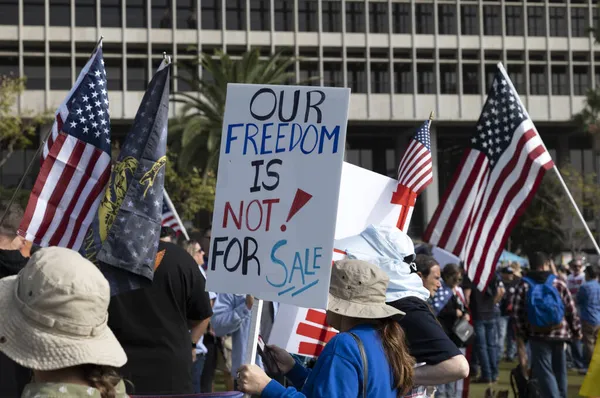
x: 430, y: 118
x: 35, y: 156
x: 168, y: 199
x: 556, y: 171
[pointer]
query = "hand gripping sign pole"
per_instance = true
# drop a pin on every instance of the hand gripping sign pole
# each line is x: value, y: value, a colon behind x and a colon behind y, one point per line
x: 557, y: 172
x: 251, y: 349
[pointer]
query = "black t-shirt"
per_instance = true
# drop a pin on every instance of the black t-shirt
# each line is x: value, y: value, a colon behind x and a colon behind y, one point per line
x: 152, y: 325
x: 426, y: 339
x: 482, y: 303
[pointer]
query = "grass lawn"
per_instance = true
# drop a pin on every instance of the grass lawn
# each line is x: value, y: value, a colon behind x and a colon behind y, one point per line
x: 476, y: 390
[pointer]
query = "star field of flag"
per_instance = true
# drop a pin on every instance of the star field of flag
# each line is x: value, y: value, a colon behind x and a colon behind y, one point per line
x: 422, y: 135
x: 498, y: 121
x: 89, y: 118
x: 441, y: 298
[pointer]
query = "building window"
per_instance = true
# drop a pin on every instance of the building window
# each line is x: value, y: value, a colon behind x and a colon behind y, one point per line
x: 9, y: 66
x: 470, y: 73
x: 307, y: 15
x: 468, y: 20
x: 136, y: 14
x: 210, y: 14
x: 447, y: 19
x: 355, y: 16
x: 581, y: 79
x: 380, y: 78
x: 560, y: 80
x: 514, y: 21
x: 110, y: 13
x: 558, y: 25
x: 536, y: 21
x: 60, y: 12
x: 186, y: 71
x: 378, y: 17
x: 85, y: 13
x: 161, y: 14
x: 309, y: 74
x: 35, y: 72
x: 579, y: 22
x: 538, y: 80
x: 35, y: 15
x: 137, y: 74
x: 10, y: 12
x: 425, y: 79
x: 517, y: 75
x: 260, y: 15
x: 284, y: 15
x: 186, y: 14
x: 114, y: 72
x: 490, y: 74
x: 235, y: 14
x: 448, y: 79
x: 60, y: 73
x: 333, y: 75
x: 357, y: 78
x: 424, y: 18
x: 401, y: 17
x: 332, y: 16
x: 403, y: 78
x: 491, y: 21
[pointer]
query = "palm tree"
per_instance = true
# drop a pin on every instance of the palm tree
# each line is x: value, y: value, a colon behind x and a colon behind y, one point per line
x: 196, y: 133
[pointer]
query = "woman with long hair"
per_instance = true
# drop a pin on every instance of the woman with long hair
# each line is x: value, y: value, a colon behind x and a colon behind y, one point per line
x: 368, y: 358
x: 54, y: 322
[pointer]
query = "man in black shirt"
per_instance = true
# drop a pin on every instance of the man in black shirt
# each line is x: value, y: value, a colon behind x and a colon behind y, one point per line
x: 153, y: 324
x: 13, y: 377
x: 484, y: 314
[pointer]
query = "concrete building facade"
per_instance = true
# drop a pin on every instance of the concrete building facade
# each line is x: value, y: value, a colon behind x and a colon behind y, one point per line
x: 402, y: 60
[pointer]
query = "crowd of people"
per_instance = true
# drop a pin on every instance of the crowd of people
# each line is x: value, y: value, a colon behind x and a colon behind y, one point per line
x: 405, y: 322
x: 548, y: 334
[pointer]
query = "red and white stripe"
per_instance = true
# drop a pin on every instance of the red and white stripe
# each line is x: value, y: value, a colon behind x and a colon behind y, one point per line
x: 415, y: 170
x: 482, y: 204
x: 66, y: 194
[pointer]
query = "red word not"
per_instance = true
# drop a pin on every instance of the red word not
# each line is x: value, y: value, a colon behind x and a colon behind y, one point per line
x: 255, y: 209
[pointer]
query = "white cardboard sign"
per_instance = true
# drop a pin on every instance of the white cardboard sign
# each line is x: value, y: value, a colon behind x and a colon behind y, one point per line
x: 365, y: 198
x: 277, y: 192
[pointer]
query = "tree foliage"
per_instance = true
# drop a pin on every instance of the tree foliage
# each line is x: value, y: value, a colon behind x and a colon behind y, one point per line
x: 550, y: 223
x: 196, y: 133
x: 188, y: 191
x: 16, y: 129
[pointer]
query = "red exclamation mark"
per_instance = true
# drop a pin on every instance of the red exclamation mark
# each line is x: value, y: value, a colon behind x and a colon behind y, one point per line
x: 300, y: 200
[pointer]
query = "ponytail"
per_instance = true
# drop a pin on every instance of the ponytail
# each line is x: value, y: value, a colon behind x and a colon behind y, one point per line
x: 103, y: 379
x: 396, y: 351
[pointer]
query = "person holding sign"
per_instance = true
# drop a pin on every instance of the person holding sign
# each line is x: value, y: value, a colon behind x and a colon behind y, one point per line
x: 368, y: 358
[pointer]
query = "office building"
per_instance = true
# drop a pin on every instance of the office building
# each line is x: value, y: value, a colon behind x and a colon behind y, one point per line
x: 402, y: 60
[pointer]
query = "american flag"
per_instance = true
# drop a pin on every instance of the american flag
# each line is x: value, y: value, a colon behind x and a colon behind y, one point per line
x: 76, y: 164
x: 170, y: 218
x: 441, y: 298
x: 415, y: 172
x: 495, y: 181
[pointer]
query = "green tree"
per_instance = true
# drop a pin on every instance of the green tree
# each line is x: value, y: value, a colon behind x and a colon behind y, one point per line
x: 196, y: 133
x: 550, y: 223
x: 16, y: 129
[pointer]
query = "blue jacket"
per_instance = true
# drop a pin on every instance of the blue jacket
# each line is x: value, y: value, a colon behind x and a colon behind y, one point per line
x: 588, y: 302
x: 338, y: 372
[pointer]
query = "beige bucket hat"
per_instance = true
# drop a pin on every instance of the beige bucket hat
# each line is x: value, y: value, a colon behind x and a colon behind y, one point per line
x: 54, y: 313
x: 357, y: 290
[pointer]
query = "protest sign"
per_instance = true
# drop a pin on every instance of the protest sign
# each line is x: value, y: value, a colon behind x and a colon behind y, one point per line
x: 365, y: 199
x: 277, y: 192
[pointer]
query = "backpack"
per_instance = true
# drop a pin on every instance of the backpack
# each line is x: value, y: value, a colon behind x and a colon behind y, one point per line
x: 545, y: 308
x: 521, y: 386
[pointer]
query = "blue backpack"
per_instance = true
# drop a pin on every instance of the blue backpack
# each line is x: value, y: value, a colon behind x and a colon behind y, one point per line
x: 545, y: 308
